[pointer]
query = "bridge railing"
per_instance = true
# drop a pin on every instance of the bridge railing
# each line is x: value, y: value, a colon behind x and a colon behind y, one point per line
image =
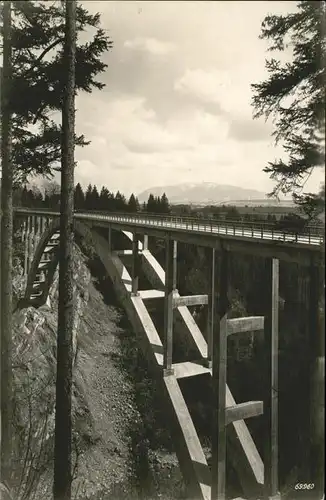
x: 306, y: 233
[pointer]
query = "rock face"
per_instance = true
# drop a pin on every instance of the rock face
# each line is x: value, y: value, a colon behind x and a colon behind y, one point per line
x: 102, y: 399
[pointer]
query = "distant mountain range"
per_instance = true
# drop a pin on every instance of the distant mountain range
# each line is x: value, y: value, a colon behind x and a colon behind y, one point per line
x: 205, y: 193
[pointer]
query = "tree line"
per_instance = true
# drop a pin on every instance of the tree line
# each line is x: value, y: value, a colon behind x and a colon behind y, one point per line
x: 90, y: 199
x: 94, y: 199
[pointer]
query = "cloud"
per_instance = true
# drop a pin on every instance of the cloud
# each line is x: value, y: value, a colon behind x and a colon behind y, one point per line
x: 203, y: 84
x: 151, y: 45
x: 177, y: 102
x: 131, y: 148
x: 221, y: 93
x: 249, y: 130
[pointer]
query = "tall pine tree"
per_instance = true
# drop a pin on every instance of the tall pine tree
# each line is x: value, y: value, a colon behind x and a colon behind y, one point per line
x: 133, y: 204
x: 88, y: 197
x: 294, y: 93
x: 6, y: 248
x: 151, y: 204
x: 120, y: 202
x: 38, y: 89
x: 164, y: 205
x: 95, y: 199
x: 63, y: 417
x: 79, y: 197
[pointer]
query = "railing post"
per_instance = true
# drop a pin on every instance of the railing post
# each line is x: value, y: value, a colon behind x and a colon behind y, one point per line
x: 317, y: 377
x: 210, y: 305
x: 135, y: 265
x: 219, y: 385
x: 168, y: 307
x: 271, y: 379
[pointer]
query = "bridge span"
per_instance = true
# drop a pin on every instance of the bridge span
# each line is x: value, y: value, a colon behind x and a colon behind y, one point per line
x: 260, y: 238
x: 258, y: 475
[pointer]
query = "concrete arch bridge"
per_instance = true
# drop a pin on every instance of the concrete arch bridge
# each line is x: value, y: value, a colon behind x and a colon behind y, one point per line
x: 230, y: 435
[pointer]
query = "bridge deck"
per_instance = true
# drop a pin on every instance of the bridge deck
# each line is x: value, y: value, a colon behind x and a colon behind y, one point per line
x: 263, y: 239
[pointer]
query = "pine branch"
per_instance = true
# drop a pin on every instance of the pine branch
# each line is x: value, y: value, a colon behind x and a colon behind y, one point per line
x: 41, y: 56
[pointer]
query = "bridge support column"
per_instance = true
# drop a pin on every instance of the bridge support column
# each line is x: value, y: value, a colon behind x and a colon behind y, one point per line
x: 24, y: 232
x: 31, y: 241
x: 42, y: 225
x: 219, y: 355
x: 37, y: 232
x: 110, y: 238
x: 317, y: 377
x: 170, y: 263
x: 135, y: 265
x: 210, y: 306
x: 26, y: 246
x: 175, y: 257
x: 145, y: 244
x: 271, y: 486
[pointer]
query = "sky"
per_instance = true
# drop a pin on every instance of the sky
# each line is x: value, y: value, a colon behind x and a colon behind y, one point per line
x: 176, y: 106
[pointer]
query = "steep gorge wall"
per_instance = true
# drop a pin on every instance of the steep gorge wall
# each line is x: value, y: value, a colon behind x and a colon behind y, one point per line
x: 34, y: 359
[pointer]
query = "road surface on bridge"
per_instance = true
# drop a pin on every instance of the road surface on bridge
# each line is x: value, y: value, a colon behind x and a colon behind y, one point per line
x: 310, y: 236
x: 258, y: 231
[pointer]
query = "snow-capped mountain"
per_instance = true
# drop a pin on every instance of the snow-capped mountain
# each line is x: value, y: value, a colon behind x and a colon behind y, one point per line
x: 204, y: 192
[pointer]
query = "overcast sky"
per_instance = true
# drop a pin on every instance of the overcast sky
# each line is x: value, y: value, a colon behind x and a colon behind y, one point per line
x: 176, y: 106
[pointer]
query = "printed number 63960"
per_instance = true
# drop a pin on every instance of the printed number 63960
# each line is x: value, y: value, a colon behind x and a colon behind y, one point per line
x: 304, y: 486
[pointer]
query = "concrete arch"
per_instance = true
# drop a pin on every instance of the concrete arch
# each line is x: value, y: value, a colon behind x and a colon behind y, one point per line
x: 52, y: 260
x: 35, y: 266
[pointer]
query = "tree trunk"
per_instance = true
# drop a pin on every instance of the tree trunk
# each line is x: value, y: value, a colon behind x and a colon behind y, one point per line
x: 6, y: 250
x: 63, y: 425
